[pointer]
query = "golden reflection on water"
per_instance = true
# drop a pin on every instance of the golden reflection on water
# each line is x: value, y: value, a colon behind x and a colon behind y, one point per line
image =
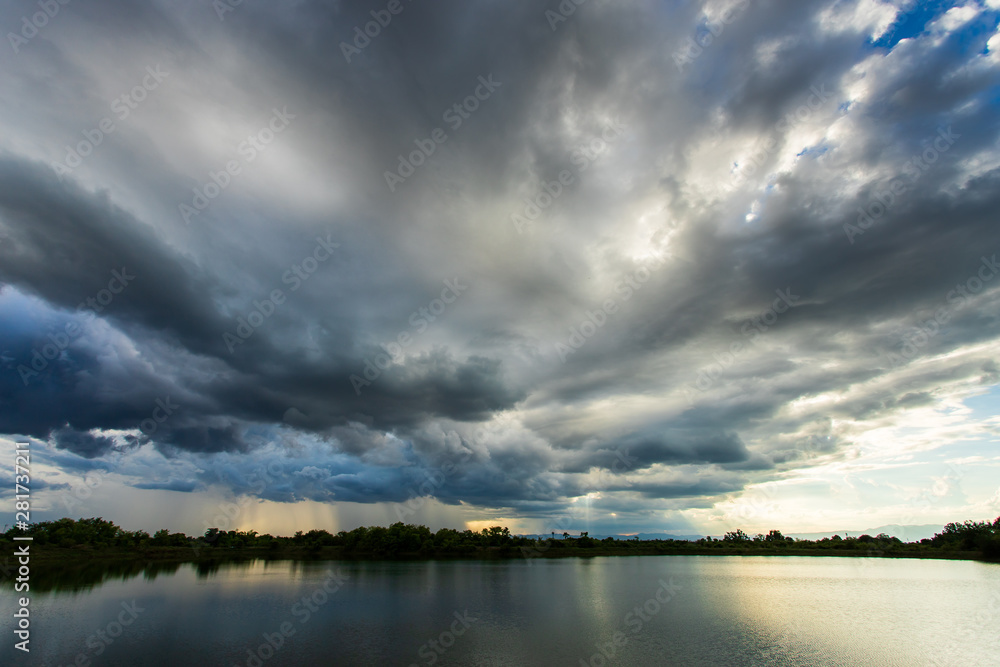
x: 830, y: 610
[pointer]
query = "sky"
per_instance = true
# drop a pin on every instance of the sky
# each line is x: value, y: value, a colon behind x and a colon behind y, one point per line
x: 606, y: 266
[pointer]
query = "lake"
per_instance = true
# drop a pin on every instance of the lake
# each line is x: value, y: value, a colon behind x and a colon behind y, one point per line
x: 660, y: 610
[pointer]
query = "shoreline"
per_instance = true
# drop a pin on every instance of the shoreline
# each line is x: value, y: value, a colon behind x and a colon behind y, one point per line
x: 56, y: 569
x: 62, y: 556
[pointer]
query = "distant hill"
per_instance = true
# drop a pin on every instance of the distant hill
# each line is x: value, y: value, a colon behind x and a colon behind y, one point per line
x: 656, y: 536
x: 905, y: 533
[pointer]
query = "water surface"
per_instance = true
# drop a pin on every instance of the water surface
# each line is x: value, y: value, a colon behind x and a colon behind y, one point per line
x: 665, y: 610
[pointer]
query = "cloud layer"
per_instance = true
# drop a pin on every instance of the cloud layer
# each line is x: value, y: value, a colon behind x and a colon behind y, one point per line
x: 650, y: 255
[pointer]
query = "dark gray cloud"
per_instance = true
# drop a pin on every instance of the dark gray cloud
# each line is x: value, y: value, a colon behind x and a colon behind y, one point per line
x: 727, y: 247
x: 10, y: 491
x: 82, y: 443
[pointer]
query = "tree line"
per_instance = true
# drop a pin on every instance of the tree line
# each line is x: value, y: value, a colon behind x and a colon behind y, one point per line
x: 981, y: 537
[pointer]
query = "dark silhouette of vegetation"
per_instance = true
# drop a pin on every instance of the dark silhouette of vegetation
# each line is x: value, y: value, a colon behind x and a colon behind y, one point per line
x: 971, y: 536
x: 970, y: 539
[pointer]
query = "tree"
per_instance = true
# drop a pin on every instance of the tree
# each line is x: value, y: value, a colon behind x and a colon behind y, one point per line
x: 966, y: 535
x: 496, y: 536
x: 736, y: 536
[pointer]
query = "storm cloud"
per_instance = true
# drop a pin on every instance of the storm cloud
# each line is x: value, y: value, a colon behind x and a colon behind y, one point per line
x: 505, y: 255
